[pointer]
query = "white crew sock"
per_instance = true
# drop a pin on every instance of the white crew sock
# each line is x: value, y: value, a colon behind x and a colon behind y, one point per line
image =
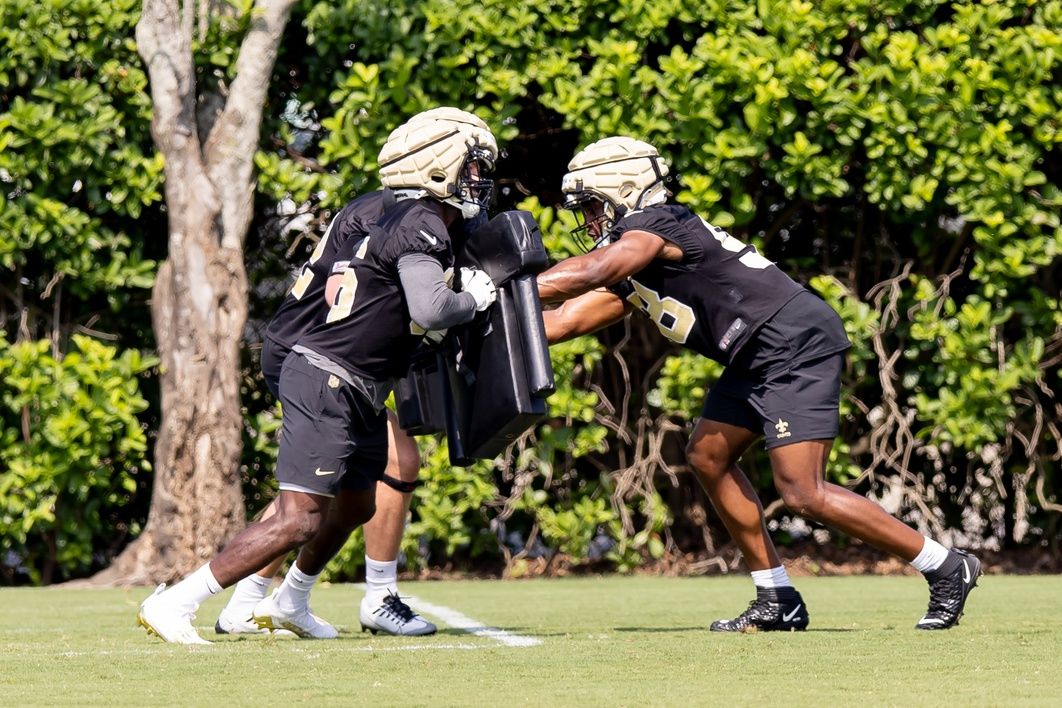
x: 248, y: 593
x: 381, y: 577
x: 188, y: 594
x: 294, y: 592
x: 931, y: 557
x: 771, y: 578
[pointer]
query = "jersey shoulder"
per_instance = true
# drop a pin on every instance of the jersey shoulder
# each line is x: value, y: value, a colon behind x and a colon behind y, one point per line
x: 359, y: 216
x: 660, y: 219
x: 672, y: 222
x: 414, y: 228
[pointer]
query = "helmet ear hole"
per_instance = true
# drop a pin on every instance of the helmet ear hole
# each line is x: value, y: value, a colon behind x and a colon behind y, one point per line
x: 626, y: 190
x: 438, y: 177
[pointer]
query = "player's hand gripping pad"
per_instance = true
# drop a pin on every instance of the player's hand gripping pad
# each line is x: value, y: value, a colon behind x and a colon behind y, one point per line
x: 497, y: 370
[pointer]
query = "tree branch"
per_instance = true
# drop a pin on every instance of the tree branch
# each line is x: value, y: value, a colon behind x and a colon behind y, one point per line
x: 167, y: 52
x: 229, y: 163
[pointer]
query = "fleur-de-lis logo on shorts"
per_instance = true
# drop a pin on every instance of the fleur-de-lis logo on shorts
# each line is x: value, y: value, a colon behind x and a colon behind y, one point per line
x: 783, y: 428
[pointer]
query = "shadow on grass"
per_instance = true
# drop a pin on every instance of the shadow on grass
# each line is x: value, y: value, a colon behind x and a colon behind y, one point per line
x: 705, y: 629
x: 699, y: 628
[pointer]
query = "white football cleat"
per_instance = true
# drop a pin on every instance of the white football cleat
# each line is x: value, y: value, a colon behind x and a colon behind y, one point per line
x: 268, y: 615
x: 390, y: 615
x: 166, y: 622
x: 230, y: 624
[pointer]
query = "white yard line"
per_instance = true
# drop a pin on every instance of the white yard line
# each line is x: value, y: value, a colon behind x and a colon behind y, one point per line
x: 451, y: 617
x: 463, y: 622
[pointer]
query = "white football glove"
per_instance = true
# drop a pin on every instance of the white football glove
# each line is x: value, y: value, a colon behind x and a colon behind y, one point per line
x: 479, y: 284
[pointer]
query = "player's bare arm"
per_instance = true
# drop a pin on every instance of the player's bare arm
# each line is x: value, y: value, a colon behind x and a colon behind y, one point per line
x: 584, y: 314
x: 604, y: 266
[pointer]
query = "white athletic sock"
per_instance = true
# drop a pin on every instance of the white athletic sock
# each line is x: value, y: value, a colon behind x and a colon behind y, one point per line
x: 381, y: 577
x: 188, y: 594
x: 294, y: 592
x: 247, y: 594
x: 771, y: 578
x: 931, y: 557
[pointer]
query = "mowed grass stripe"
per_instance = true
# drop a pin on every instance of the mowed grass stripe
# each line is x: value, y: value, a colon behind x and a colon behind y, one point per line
x: 605, y: 641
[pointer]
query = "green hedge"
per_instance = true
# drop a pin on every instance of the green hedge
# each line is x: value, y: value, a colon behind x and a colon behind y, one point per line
x: 70, y: 450
x: 901, y: 158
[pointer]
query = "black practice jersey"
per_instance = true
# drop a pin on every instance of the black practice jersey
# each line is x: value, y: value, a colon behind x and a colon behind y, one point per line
x: 304, y: 306
x: 716, y: 296
x: 367, y: 329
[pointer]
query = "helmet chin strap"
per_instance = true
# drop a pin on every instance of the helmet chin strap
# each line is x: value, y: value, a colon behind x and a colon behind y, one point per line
x: 401, y: 194
x: 469, y: 209
x: 612, y: 213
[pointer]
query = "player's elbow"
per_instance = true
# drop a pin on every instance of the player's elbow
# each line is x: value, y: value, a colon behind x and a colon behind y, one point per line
x: 435, y: 318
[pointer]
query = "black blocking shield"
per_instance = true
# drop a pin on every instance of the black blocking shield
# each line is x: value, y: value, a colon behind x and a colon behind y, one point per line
x: 493, y: 403
x: 496, y: 373
x: 420, y: 396
x: 508, y: 245
x: 503, y: 373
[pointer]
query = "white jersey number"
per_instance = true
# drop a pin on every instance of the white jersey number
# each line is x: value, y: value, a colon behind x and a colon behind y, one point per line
x: 302, y: 282
x: 343, y: 302
x: 752, y: 259
x: 674, y: 319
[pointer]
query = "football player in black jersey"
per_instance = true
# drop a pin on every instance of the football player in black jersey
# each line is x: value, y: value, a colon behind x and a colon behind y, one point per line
x: 783, y: 348
x: 386, y: 290
x: 304, y: 307
x: 381, y: 609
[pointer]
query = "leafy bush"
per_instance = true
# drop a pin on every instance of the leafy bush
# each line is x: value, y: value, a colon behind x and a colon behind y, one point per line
x: 902, y: 157
x: 70, y: 451
x: 80, y: 219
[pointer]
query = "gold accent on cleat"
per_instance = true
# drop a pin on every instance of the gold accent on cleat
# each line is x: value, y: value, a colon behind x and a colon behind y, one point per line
x: 264, y: 623
x: 144, y: 623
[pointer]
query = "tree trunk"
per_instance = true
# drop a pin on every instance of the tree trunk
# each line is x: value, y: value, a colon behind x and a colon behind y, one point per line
x: 199, y: 302
x: 196, y: 503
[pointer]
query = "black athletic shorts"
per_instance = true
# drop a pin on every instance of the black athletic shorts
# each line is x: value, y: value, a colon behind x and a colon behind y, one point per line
x: 332, y: 437
x: 786, y: 380
x: 271, y: 362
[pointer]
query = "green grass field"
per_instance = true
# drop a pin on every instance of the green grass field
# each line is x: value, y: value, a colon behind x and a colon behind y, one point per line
x: 584, y: 641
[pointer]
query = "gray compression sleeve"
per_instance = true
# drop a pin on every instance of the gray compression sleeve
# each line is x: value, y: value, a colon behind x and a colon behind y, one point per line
x: 432, y: 304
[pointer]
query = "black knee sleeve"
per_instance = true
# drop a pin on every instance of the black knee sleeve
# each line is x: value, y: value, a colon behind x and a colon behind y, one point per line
x: 399, y: 485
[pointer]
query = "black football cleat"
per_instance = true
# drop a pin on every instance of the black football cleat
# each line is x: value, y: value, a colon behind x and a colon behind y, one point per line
x: 949, y: 586
x: 773, y: 610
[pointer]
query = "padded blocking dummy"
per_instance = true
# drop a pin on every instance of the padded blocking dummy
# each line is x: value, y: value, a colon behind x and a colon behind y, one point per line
x: 490, y: 382
x: 420, y: 396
